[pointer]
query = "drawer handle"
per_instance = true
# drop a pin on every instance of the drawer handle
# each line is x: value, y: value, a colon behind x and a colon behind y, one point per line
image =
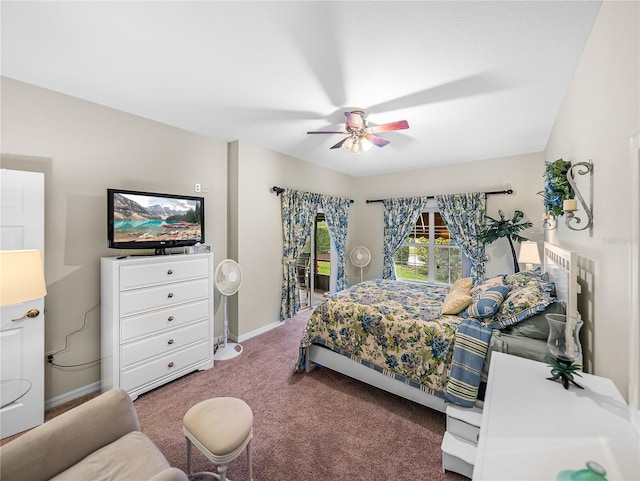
x: 170, y: 341
x: 170, y: 364
x: 169, y: 272
x: 170, y: 318
x: 170, y: 295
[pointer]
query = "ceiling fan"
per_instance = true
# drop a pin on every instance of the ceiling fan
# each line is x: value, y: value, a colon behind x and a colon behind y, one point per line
x: 359, y: 136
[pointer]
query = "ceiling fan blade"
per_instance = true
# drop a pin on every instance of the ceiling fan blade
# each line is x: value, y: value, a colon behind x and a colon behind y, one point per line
x: 327, y: 62
x: 328, y: 132
x: 339, y: 144
x: 354, y: 120
x: 479, y: 84
x: 377, y: 141
x: 399, y: 125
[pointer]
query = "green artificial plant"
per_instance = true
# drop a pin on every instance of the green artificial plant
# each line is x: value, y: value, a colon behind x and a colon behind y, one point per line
x: 556, y: 186
x: 510, y: 228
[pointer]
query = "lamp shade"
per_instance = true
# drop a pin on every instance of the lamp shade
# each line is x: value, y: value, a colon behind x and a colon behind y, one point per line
x: 21, y: 276
x: 529, y: 253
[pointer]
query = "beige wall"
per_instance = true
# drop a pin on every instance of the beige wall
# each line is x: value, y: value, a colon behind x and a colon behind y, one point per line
x: 83, y: 148
x: 259, y: 226
x: 598, y: 116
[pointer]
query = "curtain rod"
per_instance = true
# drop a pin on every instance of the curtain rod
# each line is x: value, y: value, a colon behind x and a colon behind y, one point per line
x: 508, y: 192
x: 279, y: 190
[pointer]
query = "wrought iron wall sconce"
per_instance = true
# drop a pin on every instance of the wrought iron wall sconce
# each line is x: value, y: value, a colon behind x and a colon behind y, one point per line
x: 549, y: 222
x: 571, y: 205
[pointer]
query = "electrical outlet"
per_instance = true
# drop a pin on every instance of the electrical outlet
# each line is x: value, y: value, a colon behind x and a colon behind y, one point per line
x: 197, y: 188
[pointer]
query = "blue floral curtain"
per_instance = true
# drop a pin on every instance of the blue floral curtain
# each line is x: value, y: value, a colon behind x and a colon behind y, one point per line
x: 298, y: 214
x: 336, y: 215
x: 463, y: 215
x: 400, y: 217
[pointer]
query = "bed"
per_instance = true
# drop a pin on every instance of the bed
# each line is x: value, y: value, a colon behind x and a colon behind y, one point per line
x: 394, y: 335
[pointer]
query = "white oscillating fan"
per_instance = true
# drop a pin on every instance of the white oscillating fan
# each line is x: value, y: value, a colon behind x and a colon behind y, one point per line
x: 360, y: 257
x: 228, y: 277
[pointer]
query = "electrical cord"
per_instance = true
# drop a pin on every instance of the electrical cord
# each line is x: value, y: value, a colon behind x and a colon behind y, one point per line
x: 66, y: 344
x: 50, y: 359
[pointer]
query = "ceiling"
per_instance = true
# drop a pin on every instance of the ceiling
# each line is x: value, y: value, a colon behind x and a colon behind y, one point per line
x: 475, y: 80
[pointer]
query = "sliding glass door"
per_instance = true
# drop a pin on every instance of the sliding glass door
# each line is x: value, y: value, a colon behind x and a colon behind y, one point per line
x: 314, y: 265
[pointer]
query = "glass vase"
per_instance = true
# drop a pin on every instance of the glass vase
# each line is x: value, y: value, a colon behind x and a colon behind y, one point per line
x: 564, y: 341
x: 564, y: 345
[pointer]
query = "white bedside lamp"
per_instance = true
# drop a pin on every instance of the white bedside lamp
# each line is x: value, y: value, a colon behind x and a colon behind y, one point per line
x: 529, y: 254
x: 21, y: 278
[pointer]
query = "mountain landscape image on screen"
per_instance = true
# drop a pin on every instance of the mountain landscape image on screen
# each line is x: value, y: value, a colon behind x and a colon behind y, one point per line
x: 140, y: 218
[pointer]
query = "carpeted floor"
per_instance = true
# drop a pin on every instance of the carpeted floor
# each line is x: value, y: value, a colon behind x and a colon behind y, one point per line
x: 307, y: 427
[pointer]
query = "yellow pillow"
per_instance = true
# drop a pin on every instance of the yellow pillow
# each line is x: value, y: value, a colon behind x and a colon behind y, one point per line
x: 464, y: 283
x: 456, y: 301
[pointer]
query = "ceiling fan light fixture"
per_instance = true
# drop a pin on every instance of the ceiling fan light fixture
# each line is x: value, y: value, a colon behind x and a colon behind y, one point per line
x: 365, y: 144
x: 357, y: 142
x: 348, y: 144
x: 361, y: 138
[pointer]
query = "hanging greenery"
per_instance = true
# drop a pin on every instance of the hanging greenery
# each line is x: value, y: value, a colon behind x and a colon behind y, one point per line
x: 556, y: 188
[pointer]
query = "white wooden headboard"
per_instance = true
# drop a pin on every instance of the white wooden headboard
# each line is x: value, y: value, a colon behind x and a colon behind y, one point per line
x: 561, y: 265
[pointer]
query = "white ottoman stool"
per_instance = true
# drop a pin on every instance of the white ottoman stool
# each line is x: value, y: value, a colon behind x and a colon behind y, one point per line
x: 221, y: 428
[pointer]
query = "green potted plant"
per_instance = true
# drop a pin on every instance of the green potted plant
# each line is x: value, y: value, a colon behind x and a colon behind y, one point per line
x: 510, y: 228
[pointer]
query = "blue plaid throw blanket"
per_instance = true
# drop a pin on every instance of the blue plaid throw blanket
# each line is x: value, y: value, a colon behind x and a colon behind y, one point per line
x: 469, y: 351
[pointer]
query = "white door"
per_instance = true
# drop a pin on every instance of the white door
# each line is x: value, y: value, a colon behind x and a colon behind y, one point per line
x: 21, y: 342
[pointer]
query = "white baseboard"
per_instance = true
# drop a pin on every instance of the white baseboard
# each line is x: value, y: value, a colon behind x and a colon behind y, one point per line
x: 257, y: 332
x: 71, y: 395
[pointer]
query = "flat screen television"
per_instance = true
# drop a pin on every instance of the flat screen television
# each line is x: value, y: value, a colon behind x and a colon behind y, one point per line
x: 148, y: 220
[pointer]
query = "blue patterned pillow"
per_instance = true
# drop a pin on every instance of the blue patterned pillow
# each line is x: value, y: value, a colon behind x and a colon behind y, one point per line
x: 530, y: 278
x: 478, y: 289
x: 521, y: 304
x: 488, y: 303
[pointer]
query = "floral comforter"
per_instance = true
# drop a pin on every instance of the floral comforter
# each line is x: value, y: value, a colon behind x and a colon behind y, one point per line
x: 394, y: 327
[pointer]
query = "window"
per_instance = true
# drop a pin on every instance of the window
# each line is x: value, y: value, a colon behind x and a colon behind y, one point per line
x: 429, y: 254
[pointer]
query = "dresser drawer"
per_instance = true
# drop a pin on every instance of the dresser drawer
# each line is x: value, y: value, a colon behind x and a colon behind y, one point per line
x: 464, y: 422
x: 173, y: 362
x: 133, y: 276
x: 156, y: 321
x: 463, y: 430
x: 458, y: 455
x: 140, y: 300
x: 159, y: 344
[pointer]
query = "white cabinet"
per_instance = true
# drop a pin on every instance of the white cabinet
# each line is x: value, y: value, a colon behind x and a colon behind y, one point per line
x: 157, y: 319
x: 533, y: 428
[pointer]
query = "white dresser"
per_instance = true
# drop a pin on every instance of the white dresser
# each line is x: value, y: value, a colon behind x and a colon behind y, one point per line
x: 157, y: 319
x: 533, y: 428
